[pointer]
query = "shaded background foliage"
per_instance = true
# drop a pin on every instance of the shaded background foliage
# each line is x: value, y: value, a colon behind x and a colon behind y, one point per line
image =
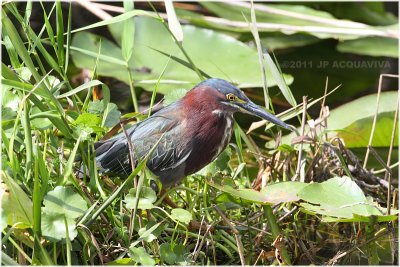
x: 226, y: 50
x: 295, y: 52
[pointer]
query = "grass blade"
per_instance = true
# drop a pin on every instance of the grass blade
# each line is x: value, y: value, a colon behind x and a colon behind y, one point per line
x: 138, y: 168
x: 67, y: 47
x: 13, y: 55
x: 173, y: 21
x: 153, y: 95
x: 70, y: 162
x: 128, y: 36
x: 68, y: 246
x: 16, y: 40
x: 279, y: 80
x: 6, y: 260
x: 49, y: 29
x: 116, y: 19
x: 28, y: 140
x: 183, y: 62
x: 254, y: 31
x: 28, y: 12
x: 44, y: 255
x: 80, y: 88
x: 60, y: 35
x: 104, y: 58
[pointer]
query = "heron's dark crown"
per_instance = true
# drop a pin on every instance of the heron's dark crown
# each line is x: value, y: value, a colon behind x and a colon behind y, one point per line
x: 221, y: 86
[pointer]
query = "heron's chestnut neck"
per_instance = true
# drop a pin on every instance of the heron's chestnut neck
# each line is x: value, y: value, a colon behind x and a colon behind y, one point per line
x: 205, y: 99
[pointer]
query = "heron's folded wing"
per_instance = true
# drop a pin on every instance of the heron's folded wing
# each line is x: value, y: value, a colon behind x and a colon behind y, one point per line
x: 163, y: 127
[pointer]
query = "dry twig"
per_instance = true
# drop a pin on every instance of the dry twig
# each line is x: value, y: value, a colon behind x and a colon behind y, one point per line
x: 235, y: 232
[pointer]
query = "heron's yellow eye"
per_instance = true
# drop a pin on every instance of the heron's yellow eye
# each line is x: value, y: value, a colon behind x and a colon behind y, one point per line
x: 231, y: 97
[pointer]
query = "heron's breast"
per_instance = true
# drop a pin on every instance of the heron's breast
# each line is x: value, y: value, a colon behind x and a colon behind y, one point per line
x: 208, y: 139
x: 226, y: 136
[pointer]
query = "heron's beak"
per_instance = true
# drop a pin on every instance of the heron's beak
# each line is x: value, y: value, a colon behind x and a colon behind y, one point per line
x: 253, y: 109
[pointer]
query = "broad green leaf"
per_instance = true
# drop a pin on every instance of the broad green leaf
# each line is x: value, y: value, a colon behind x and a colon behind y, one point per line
x: 366, y: 219
x: 173, y: 254
x: 226, y: 57
x: 358, y: 133
x: 226, y: 201
x: 167, y: 253
x: 311, y: 66
x: 247, y: 194
x: 17, y: 206
x: 96, y: 107
x: 150, y: 232
x: 181, y: 215
x: 39, y: 119
x: 371, y: 46
x: 275, y: 41
x: 283, y: 192
x: 180, y: 251
x: 149, y: 237
x: 146, y: 200
x: 372, y: 13
x: 111, y: 115
x: 123, y: 261
x: 89, y: 120
x: 145, y: 234
x: 174, y: 95
x: 353, y: 121
x: 9, y: 107
x: 271, y: 194
x: 140, y: 255
x: 53, y: 226
x: 64, y: 201
x: 339, y: 198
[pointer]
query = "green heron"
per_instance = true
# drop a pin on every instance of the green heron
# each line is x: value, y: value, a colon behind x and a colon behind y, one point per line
x: 193, y: 130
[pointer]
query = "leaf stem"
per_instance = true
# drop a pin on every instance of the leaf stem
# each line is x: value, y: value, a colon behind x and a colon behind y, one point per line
x: 276, y: 231
x: 132, y: 88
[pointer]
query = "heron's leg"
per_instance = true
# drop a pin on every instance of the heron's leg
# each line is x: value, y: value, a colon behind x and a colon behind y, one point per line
x: 154, y: 186
x: 161, y: 193
x: 167, y: 200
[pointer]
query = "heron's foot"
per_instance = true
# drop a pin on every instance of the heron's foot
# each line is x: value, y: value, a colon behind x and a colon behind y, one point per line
x: 203, y: 227
x: 167, y: 200
x: 154, y: 186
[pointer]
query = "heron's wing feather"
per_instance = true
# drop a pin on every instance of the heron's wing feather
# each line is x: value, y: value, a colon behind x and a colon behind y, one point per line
x: 164, y: 127
x: 113, y: 157
x: 167, y: 129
